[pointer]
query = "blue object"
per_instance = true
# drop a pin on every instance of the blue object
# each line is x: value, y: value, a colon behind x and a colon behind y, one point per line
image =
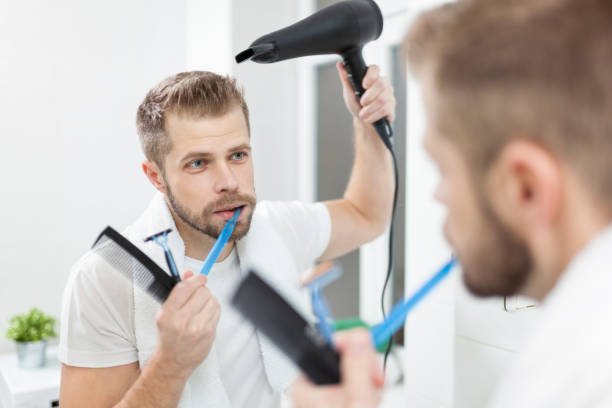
x: 220, y: 243
x: 162, y: 240
x: 383, y: 332
x: 328, y: 277
x: 321, y: 311
x: 319, y: 304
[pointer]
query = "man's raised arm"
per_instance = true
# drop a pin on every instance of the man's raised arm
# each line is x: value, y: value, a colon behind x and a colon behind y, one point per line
x: 365, y: 210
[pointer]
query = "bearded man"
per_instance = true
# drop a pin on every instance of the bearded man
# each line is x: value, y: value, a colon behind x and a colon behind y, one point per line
x: 120, y: 348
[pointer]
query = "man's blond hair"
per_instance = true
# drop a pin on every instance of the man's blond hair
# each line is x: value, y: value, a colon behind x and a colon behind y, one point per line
x: 195, y: 94
x: 494, y: 70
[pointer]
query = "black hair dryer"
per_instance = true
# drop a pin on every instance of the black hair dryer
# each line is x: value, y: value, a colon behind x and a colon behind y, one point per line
x: 342, y: 28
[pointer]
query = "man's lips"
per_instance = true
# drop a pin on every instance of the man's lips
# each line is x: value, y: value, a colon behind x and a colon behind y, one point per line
x: 228, y: 212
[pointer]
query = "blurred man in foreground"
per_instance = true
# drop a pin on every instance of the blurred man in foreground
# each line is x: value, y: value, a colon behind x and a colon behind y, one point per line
x: 518, y: 96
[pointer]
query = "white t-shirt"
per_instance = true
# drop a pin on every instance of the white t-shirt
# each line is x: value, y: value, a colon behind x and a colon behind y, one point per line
x: 97, y: 324
x: 567, y: 360
x: 240, y: 360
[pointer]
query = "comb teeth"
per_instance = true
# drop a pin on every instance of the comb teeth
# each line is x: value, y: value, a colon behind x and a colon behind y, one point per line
x: 132, y: 263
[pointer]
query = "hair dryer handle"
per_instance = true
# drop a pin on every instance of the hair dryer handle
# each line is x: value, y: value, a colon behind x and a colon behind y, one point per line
x: 356, y: 69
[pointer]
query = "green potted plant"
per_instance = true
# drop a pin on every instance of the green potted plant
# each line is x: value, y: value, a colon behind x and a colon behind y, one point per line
x: 30, y: 331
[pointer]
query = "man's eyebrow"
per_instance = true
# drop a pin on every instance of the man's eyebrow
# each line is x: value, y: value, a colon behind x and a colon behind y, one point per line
x: 196, y: 154
x: 244, y: 146
x: 208, y: 155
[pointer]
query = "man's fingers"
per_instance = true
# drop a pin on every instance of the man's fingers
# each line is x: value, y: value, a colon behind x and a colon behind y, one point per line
x: 378, y: 114
x: 371, y: 76
x: 183, y: 291
x: 306, y: 395
x: 361, y: 382
x: 209, y: 314
x: 357, y: 360
x: 373, y: 92
x: 378, y: 373
x: 384, y: 103
x: 197, y: 301
x: 367, y: 112
x: 346, y: 84
x: 378, y: 110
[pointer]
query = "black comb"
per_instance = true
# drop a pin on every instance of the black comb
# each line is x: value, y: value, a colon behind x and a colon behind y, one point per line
x: 126, y: 258
x: 285, y: 327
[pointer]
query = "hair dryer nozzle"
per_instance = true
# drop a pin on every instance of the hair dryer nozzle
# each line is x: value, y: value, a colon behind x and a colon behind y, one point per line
x: 266, y: 52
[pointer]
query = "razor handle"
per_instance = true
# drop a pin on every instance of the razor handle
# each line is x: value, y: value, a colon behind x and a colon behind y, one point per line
x: 356, y: 69
x: 172, y: 266
x: 259, y: 303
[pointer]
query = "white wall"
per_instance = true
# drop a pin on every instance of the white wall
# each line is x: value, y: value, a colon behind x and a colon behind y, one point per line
x: 208, y: 36
x: 271, y: 91
x: 72, y: 76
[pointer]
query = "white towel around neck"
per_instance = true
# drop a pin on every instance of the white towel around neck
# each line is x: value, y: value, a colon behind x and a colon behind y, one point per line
x: 262, y: 249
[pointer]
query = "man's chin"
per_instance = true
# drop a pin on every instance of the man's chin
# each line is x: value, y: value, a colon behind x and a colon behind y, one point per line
x: 242, y: 228
x: 485, y: 284
x: 478, y: 289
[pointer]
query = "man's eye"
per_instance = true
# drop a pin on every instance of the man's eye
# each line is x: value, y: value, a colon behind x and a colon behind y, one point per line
x: 239, y: 156
x: 195, y: 164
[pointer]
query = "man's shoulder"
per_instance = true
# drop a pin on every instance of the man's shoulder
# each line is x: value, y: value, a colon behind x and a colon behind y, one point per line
x: 91, y: 266
x: 90, y: 260
x: 97, y: 271
x: 98, y: 264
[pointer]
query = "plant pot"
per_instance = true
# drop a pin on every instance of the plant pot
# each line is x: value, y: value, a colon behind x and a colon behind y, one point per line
x: 32, y: 354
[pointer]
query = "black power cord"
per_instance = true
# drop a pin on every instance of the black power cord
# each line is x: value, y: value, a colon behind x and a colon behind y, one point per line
x: 390, y: 265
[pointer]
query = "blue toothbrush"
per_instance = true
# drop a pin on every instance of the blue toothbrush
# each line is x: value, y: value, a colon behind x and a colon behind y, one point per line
x: 383, y: 331
x: 220, y: 243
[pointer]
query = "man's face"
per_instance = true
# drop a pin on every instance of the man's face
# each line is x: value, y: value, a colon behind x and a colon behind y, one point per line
x: 209, y: 172
x: 493, y: 259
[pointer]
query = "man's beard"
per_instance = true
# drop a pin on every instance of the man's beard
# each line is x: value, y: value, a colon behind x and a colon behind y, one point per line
x: 502, y: 262
x: 203, y: 222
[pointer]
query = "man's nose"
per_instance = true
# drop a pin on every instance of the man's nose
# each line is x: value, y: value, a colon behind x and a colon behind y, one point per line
x: 225, y: 179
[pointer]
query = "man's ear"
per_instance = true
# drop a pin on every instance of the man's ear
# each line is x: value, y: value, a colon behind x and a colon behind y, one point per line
x: 154, y: 175
x: 526, y: 184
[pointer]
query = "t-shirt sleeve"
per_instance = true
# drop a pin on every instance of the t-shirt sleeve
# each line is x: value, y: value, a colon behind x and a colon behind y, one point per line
x: 97, y: 327
x: 305, y: 227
